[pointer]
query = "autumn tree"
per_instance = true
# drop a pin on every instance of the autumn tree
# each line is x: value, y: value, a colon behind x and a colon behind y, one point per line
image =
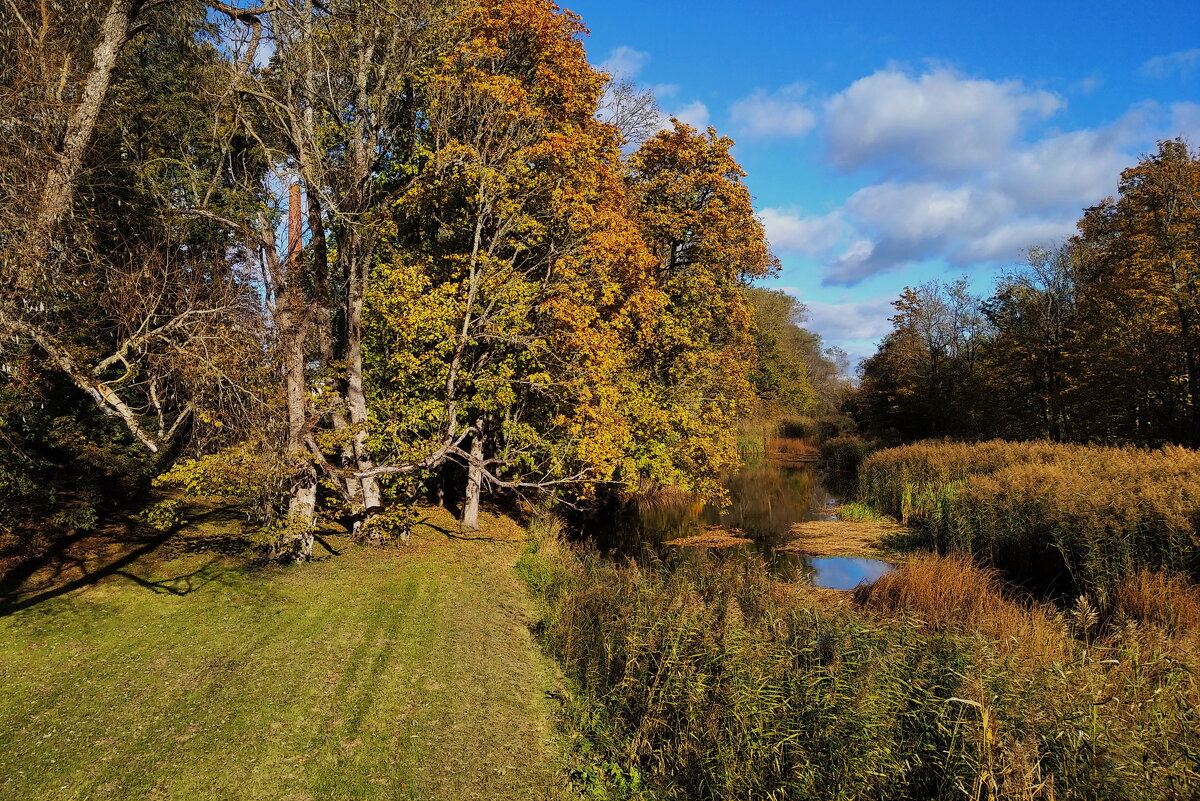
x: 782, y: 353
x: 696, y: 216
x: 514, y: 256
x: 1139, y: 301
x: 1028, y: 364
x: 121, y: 319
x: 922, y: 381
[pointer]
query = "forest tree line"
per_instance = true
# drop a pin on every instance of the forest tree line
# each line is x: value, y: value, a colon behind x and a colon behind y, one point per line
x: 1094, y: 340
x: 327, y: 259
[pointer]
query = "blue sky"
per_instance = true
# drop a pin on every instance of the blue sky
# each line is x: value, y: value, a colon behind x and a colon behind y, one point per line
x: 890, y: 143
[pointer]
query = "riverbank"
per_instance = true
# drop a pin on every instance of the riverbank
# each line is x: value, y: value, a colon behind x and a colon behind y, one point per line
x: 713, y: 677
x: 406, y: 673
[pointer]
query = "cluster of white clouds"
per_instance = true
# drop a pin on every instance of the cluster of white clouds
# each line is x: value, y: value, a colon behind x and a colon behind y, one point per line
x: 782, y: 113
x: 960, y: 169
x: 936, y: 121
x: 955, y: 168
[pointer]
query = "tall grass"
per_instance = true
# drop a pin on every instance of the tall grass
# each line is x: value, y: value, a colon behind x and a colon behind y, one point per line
x: 1079, y: 518
x: 844, y: 454
x: 709, y: 680
x: 772, y: 435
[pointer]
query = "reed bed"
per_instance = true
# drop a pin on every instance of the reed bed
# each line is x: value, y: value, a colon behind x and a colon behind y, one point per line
x: 710, y: 680
x: 952, y: 592
x: 1072, y: 518
x: 791, y: 449
x: 774, y: 436
x: 845, y: 453
x: 1164, y: 600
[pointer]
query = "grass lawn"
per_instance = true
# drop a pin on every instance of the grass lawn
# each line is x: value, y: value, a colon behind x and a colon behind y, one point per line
x: 407, y: 673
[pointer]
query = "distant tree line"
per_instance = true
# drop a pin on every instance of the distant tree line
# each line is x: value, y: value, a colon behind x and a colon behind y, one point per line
x: 330, y: 258
x: 1095, y: 340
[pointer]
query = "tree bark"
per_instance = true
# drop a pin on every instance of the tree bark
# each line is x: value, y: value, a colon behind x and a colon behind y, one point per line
x: 291, y: 311
x: 58, y: 192
x: 470, y: 513
x: 356, y: 399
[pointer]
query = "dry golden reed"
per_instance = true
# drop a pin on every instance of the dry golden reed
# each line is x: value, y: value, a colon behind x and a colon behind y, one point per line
x: 791, y: 449
x: 1166, y: 600
x: 1069, y: 517
x: 954, y: 592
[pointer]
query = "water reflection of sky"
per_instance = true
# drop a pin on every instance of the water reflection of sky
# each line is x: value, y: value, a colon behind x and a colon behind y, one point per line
x: 765, y: 500
x: 845, y: 572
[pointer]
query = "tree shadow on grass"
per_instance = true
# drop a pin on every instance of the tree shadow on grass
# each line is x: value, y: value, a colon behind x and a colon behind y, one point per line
x: 452, y: 534
x: 71, y: 562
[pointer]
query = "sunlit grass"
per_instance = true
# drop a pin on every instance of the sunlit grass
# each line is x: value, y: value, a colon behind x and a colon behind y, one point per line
x: 397, y: 674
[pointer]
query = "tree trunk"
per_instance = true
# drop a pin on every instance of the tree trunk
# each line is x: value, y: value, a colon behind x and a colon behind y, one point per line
x: 329, y: 344
x: 357, y: 259
x: 293, y: 323
x: 470, y: 513
x: 356, y: 399
x: 59, y: 190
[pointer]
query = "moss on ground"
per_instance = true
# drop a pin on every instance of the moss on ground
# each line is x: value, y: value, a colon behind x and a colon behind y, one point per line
x: 406, y: 673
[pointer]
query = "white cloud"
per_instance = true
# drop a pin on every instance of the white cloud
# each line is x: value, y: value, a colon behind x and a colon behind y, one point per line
x: 855, y: 326
x: 694, y: 114
x: 971, y: 179
x: 861, y: 320
x: 624, y: 63
x: 1185, y: 122
x: 860, y: 260
x: 1182, y: 63
x: 809, y: 236
x: 939, y: 120
x: 1006, y: 241
x: 924, y: 211
x: 1069, y: 168
x: 782, y: 113
x: 906, y: 222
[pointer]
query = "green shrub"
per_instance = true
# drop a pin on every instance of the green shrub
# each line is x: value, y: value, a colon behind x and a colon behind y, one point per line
x: 845, y: 453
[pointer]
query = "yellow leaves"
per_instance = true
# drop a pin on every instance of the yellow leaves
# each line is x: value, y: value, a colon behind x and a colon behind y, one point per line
x: 209, y: 418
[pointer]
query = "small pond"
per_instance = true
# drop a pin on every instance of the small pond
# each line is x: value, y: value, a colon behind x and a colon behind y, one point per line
x: 765, y: 500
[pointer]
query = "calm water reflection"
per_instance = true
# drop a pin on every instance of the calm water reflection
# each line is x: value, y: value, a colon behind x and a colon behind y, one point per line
x: 765, y: 500
x: 845, y: 572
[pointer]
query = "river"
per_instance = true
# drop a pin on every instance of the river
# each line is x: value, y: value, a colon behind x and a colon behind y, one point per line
x: 765, y: 500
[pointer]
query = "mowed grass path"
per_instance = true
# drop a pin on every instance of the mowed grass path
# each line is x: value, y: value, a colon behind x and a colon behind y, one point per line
x: 398, y: 674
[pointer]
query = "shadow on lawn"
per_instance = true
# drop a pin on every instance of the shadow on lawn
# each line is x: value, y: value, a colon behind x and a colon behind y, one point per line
x: 76, y: 560
x: 461, y: 534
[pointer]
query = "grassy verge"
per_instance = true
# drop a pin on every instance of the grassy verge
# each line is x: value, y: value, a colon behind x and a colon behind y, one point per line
x: 398, y: 674
x: 712, y: 681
